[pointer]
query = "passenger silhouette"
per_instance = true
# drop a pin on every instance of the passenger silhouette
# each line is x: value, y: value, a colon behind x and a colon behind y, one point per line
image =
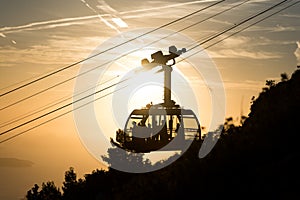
x: 171, y: 127
x: 179, y: 131
x: 134, y: 128
x: 164, y: 131
x: 155, y: 131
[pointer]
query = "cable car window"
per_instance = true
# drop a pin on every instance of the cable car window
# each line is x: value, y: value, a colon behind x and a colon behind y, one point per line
x: 191, y: 127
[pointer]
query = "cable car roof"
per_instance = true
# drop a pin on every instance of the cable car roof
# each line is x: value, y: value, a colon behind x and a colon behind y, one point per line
x: 162, y: 111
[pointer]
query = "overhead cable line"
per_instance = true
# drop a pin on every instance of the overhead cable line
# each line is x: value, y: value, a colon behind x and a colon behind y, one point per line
x: 177, y: 62
x: 199, y: 43
x: 111, y: 48
x: 61, y: 115
x: 234, y: 33
x: 40, y: 110
x: 59, y: 101
x: 121, y: 56
x: 199, y: 22
x: 57, y: 109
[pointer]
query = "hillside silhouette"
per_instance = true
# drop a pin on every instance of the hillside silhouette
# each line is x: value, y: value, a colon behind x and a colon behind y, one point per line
x: 254, y: 159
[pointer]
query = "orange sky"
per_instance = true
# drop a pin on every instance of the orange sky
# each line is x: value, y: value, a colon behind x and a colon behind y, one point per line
x: 39, y: 37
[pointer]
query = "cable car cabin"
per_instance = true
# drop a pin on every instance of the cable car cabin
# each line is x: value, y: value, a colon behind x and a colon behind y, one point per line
x: 155, y: 126
x: 152, y: 128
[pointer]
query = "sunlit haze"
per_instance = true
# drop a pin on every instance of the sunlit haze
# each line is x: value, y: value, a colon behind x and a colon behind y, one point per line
x: 37, y: 38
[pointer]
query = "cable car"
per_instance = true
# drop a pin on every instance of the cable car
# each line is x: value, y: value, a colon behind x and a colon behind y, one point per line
x: 165, y: 126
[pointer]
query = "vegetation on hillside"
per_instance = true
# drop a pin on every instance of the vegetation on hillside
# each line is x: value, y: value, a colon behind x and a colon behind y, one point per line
x: 254, y: 159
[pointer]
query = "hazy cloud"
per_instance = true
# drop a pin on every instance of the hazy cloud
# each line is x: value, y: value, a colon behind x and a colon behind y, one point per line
x: 221, y: 21
x: 237, y: 41
x: 291, y: 15
x: 250, y: 42
x: 240, y: 53
x: 244, y: 85
x: 297, y: 52
x: 114, y: 13
x: 277, y: 28
x: 100, y: 17
x: 280, y: 28
x: 138, y: 13
x: 47, y: 24
x: 105, y: 7
x: 57, y: 50
x: 159, y: 8
x: 2, y: 35
x: 14, y: 162
x: 247, y: 47
x: 261, y: 1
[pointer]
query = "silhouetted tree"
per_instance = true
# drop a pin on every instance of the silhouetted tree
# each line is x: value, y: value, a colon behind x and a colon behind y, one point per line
x: 284, y: 77
x: 270, y: 83
x: 48, y: 192
x: 118, y: 157
x: 33, y: 194
x: 70, y: 184
x: 257, y: 158
x: 99, y: 185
